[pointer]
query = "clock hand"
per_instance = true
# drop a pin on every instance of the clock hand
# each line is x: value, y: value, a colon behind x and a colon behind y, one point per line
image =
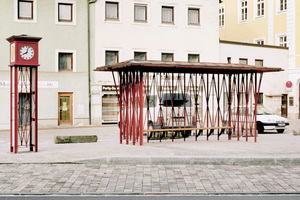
x: 26, y: 51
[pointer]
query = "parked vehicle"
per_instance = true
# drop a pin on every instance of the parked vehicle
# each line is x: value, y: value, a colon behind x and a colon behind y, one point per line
x: 265, y: 119
x: 170, y: 111
x: 269, y: 121
x: 173, y: 111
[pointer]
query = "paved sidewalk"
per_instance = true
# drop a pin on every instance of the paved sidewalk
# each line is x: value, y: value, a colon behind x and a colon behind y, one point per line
x: 101, y: 179
x: 272, y: 165
x: 271, y: 148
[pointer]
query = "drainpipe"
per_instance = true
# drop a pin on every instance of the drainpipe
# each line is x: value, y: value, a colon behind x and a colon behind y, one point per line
x: 89, y: 61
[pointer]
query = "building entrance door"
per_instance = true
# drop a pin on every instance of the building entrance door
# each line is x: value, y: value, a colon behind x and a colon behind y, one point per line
x: 284, y: 112
x: 65, y: 108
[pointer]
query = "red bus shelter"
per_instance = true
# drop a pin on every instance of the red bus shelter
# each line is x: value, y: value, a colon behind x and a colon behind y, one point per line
x: 171, y: 99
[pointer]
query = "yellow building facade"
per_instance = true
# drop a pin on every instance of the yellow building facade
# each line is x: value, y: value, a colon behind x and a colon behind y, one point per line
x: 267, y: 22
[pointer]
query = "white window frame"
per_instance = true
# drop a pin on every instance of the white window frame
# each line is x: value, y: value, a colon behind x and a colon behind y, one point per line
x: 174, y: 24
x: 57, y: 51
x: 256, y: 3
x: 222, y: 15
x: 255, y: 40
x: 34, y: 12
x: 73, y: 22
x: 278, y: 2
x: 278, y: 36
x: 240, y: 8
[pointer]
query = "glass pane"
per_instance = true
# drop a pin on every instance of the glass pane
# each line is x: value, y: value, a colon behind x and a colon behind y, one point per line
x: 140, y: 56
x: 65, y: 61
x: 111, y: 57
x: 167, y: 57
x: 243, y: 61
x: 260, y: 98
x: 193, y: 58
x: 111, y: 10
x: 65, y: 12
x: 193, y: 16
x: 25, y: 9
x: 258, y: 63
x: 64, y: 108
x: 140, y: 13
x: 24, y: 109
x: 151, y: 101
x: 167, y: 14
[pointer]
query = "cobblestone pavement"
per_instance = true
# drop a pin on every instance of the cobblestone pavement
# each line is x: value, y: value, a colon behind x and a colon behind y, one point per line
x: 103, y: 178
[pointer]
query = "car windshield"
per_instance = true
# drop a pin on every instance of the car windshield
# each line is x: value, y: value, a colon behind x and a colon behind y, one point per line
x: 179, y: 100
x: 263, y: 111
x: 150, y: 100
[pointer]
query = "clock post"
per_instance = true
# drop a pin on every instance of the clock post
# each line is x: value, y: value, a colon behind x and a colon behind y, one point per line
x: 23, y: 92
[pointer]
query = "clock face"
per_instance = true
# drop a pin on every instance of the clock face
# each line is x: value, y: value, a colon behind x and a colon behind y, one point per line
x: 26, y: 52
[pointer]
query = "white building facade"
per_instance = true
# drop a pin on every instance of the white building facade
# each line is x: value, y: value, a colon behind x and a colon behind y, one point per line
x: 273, y: 89
x: 149, y: 29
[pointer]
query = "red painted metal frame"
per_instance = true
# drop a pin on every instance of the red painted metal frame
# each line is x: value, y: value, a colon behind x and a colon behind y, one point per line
x: 220, y: 100
x: 24, y: 112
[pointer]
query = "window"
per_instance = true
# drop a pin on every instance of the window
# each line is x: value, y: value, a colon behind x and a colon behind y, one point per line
x: 222, y: 17
x: 167, y: 57
x: 111, y: 57
x: 140, y: 56
x: 243, y: 61
x: 260, y: 41
x: 194, y: 58
x: 167, y: 16
x: 229, y: 60
x: 140, y: 13
x: 194, y: 16
x: 243, y: 10
x: 282, y: 41
x: 111, y: 10
x: 259, y: 63
x: 25, y: 9
x: 291, y: 101
x: 65, y: 12
x: 282, y: 5
x: 65, y: 61
x: 260, y: 99
x: 260, y: 8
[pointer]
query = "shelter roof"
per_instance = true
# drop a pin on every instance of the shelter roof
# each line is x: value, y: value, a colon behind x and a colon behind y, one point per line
x: 185, y: 67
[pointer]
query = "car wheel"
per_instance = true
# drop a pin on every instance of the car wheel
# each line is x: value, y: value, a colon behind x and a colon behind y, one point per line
x: 185, y: 134
x: 260, y: 128
x: 280, y: 130
x: 151, y: 133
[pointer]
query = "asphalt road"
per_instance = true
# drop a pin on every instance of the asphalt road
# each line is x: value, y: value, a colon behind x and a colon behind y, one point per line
x: 164, y: 197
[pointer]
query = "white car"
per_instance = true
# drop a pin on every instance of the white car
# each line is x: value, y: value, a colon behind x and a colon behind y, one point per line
x: 269, y: 121
x: 265, y: 119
